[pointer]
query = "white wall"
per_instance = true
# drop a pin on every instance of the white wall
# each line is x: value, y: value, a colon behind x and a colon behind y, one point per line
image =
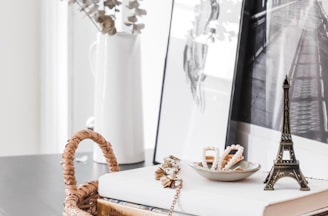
x: 19, y: 77
x: 54, y: 76
x: 25, y: 78
x: 263, y: 146
x: 81, y: 35
x: 155, y: 37
x: 154, y: 49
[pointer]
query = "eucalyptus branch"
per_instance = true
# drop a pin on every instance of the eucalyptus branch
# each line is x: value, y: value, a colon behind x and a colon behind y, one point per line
x: 103, y: 14
x: 88, y: 15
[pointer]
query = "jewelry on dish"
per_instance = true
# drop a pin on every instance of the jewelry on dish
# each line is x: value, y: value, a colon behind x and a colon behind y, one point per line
x: 210, y: 160
x: 231, y: 156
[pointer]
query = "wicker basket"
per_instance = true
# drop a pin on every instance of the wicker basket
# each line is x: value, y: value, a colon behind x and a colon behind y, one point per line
x: 82, y: 200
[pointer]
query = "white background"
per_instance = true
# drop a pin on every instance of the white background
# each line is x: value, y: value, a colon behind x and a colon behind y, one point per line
x: 21, y: 73
x: 29, y: 121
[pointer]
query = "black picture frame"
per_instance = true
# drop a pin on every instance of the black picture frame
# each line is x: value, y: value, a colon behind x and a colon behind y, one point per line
x: 282, y: 38
x: 191, y: 118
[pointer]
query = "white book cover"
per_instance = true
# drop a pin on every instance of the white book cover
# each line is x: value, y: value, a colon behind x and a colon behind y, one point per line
x: 200, y: 196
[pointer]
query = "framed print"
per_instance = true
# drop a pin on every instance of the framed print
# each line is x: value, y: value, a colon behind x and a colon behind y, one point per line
x: 283, y: 38
x: 198, y: 77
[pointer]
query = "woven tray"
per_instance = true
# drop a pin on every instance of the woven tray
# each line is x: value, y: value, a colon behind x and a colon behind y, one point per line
x: 82, y: 200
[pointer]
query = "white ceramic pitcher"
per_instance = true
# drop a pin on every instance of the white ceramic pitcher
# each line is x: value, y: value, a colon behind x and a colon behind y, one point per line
x: 116, y: 64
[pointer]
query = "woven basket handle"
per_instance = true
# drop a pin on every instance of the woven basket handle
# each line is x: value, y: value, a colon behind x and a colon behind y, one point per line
x: 69, y: 155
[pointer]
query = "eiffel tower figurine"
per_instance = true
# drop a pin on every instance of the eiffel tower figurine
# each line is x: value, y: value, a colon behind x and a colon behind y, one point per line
x: 286, y: 167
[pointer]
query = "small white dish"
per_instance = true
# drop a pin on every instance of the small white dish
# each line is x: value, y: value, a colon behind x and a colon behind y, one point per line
x: 248, y: 168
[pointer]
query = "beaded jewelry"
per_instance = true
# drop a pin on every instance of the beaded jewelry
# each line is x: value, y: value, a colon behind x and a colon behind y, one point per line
x: 231, y: 156
x: 211, y: 159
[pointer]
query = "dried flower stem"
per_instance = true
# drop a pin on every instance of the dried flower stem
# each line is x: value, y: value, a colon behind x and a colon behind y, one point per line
x: 88, y: 15
x: 102, y: 14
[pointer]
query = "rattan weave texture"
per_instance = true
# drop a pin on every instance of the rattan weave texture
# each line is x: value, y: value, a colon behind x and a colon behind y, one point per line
x: 82, y: 200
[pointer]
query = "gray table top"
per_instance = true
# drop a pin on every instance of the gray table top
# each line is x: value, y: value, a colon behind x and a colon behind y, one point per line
x: 34, y: 185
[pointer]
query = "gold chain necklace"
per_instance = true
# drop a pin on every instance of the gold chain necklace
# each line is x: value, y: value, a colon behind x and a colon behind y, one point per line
x: 167, y: 174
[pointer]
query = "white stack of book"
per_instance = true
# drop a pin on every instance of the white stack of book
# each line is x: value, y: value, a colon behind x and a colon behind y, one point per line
x: 200, y: 196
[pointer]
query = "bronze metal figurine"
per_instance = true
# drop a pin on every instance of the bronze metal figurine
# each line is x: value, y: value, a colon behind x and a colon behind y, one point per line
x: 286, y: 167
